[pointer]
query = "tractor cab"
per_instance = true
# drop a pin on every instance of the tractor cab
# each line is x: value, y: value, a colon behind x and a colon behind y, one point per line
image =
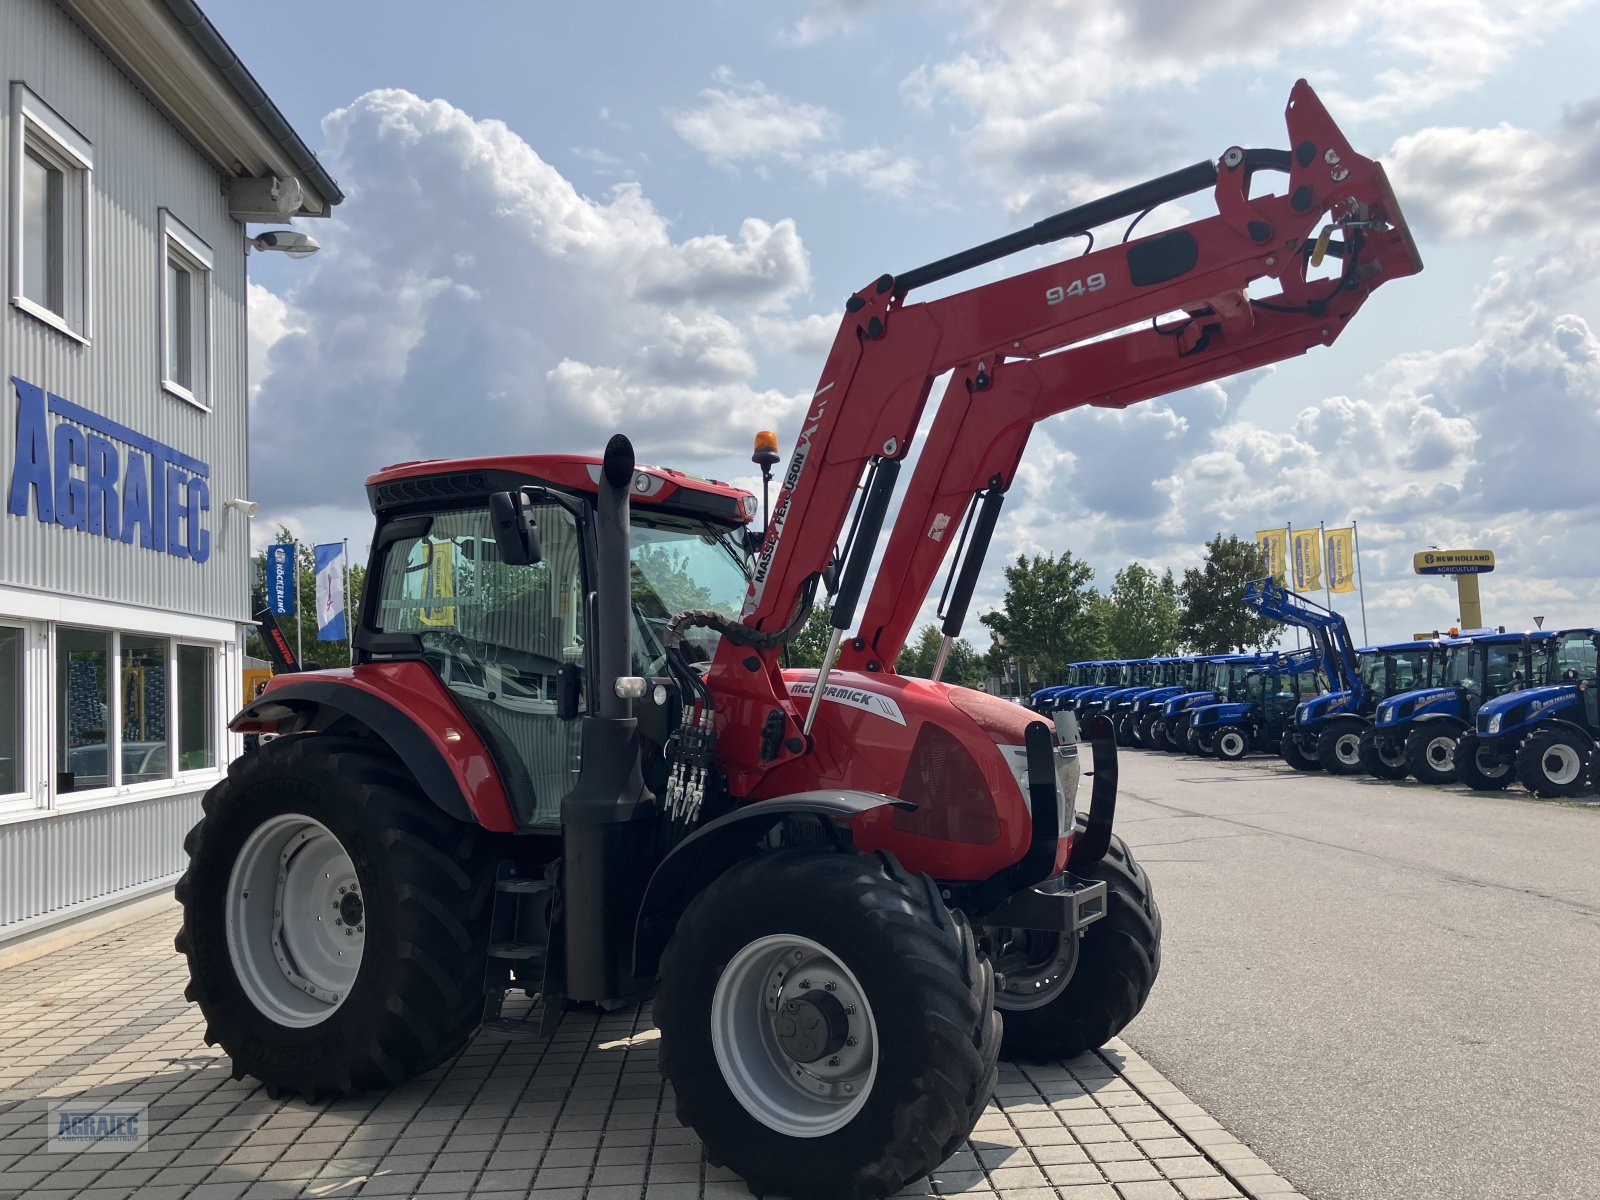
x: 1208, y: 685
x: 1257, y: 711
x: 1174, y: 677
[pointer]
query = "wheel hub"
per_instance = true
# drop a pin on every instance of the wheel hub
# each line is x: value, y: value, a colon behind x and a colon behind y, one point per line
x: 1442, y: 753
x: 1033, y: 967
x: 812, y: 1027
x: 1348, y: 748
x: 1561, y: 765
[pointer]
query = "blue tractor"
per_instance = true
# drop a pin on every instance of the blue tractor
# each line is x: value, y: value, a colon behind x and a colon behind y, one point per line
x: 1214, y: 678
x: 1391, y: 671
x: 1123, y: 705
x: 1325, y: 731
x: 1258, y: 718
x: 1137, y: 676
x: 1174, y: 677
x: 1423, y: 727
x: 1544, y: 735
x: 1108, y: 676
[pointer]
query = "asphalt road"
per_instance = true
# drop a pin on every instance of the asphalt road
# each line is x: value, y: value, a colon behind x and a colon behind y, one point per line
x: 1387, y: 990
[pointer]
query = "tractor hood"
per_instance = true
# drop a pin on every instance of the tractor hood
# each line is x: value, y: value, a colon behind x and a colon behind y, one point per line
x: 1220, y: 714
x: 1422, y: 702
x: 1155, y: 697
x: 1514, y: 709
x: 1318, y: 707
x: 1187, y: 700
x: 1123, y: 695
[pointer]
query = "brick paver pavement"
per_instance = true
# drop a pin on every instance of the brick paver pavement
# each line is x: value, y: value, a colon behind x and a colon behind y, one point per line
x: 583, y: 1117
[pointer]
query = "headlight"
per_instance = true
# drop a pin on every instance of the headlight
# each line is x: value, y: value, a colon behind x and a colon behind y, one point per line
x: 1494, y: 722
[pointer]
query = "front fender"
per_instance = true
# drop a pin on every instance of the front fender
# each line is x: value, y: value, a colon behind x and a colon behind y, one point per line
x: 694, y: 863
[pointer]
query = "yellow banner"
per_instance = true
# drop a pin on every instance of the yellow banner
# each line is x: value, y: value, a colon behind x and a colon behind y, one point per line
x: 1305, y: 552
x: 439, y: 583
x: 1341, y: 559
x: 1273, y: 543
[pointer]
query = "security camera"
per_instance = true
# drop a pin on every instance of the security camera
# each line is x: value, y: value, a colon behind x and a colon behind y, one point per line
x: 248, y: 507
x: 289, y: 241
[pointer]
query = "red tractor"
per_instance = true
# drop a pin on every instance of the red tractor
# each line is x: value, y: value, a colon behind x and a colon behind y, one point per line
x: 570, y: 761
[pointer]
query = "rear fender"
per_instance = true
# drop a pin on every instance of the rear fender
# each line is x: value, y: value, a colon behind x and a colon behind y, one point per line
x: 1572, y: 727
x: 700, y: 859
x: 458, y: 775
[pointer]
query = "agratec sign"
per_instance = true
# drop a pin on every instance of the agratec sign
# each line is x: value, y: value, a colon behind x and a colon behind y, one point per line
x: 85, y: 472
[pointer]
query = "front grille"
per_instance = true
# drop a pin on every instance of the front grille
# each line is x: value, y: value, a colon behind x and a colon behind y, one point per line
x: 945, y: 783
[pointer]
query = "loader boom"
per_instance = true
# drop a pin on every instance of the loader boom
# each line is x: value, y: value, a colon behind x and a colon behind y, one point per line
x: 887, y: 353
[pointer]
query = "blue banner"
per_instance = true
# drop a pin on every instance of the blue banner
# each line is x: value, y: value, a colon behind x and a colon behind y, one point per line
x: 330, y: 592
x: 281, y: 579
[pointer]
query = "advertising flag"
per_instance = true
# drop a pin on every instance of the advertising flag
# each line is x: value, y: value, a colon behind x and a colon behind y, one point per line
x: 1305, y: 550
x: 330, y: 592
x: 1341, y: 560
x: 439, y: 583
x: 1273, y: 545
x: 281, y: 579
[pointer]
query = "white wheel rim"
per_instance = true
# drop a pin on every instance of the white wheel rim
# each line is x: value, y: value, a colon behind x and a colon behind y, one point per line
x: 772, y: 979
x: 1042, y: 975
x: 1442, y: 753
x: 1489, y: 770
x: 1348, y: 749
x: 295, y: 920
x: 1231, y: 745
x: 1391, y: 757
x: 1561, y: 764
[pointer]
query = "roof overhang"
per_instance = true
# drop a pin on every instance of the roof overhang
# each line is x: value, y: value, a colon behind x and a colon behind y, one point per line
x: 176, y: 56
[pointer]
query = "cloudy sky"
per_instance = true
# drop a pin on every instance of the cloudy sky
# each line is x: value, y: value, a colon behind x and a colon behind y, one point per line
x: 568, y: 220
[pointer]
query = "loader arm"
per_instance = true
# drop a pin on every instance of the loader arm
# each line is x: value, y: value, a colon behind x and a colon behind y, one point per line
x: 1330, y: 635
x: 983, y: 423
x: 863, y: 414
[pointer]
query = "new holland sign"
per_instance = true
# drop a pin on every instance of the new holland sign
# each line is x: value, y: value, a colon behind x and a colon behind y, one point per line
x: 1453, y: 562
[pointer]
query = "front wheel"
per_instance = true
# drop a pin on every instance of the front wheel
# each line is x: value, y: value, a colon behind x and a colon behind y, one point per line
x: 1296, y: 757
x: 1339, y: 747
x: 1554, y: 763
x: 827, y: 1025
x: 1158, y: 733
x: 335, y: 921
x: 1232, y: 743
x: 1051, y: 1014
x: 1381, y: 757
x: 1431, y: 753
x: 1479, y: 768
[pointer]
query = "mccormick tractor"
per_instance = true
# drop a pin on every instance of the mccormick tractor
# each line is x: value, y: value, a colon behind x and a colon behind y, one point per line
x: 1545, y: 735
x: 568, y: 760
x: 1258, y: 718
x: 1425, y: 724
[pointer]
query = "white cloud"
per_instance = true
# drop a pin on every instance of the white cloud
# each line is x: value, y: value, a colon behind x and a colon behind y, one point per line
x: 469, y: 300
x: 739, y: 123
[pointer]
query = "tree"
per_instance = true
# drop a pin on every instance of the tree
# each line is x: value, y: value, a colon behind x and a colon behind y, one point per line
x: 1050, y: 617
x: 1215, y: 620
x: 808, y: 646
x: 304, y: 639
x: 963, y: 666
x: 1142, y: 613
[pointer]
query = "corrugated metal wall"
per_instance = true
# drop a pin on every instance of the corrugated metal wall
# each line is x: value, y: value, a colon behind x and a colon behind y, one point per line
x: 73, y: 860
x: 142, y: 164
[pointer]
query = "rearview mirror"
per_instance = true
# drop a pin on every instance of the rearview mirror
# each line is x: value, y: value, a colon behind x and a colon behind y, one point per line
x: 515, y: 531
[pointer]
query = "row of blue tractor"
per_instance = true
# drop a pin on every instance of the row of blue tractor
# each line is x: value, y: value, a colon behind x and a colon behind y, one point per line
x: 1487, y: 709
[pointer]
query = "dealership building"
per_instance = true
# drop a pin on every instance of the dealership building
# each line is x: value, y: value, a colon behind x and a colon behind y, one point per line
x: 137, y: 150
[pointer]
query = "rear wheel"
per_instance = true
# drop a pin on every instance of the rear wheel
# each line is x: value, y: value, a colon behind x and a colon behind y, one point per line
x: 783, y: 1006
x: 1431, y: 753
x: 1232, y: 743
x: 1479, y: 768
x: 1339, y: 747
x: 1296, y: 757
x: 1555, y: 763
x: 335, y: 921
x: 1381, y: 757
x: 1052, y: 1015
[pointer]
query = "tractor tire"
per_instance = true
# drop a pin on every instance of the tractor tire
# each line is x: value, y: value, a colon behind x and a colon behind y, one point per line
x: 1555, y: 763
x: 1296, y: 757
x: 1203, y: 742
x: 1178, y: 734
x: 1158, y: 735
x: 1379, y: 760
x: 900, y: 1094
x: 1144, y: 731
x: 1125, y: 731
x: 1339, y: 747
x: 1431, y: 753
x: 1232, y: 743
x: 1479, y: 774
x: 330, y: 833
x: 1118, y: 960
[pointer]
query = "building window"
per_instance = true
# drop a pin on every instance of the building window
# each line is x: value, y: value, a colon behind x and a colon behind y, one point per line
x: 186, y: 263
x: 146, y: 743
x: 197, y: 708
x: 51, y: 175
x: 84, y: 709
x: 13, y: 766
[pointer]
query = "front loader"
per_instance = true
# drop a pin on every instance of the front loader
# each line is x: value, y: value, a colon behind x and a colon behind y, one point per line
x: 568, y: 760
